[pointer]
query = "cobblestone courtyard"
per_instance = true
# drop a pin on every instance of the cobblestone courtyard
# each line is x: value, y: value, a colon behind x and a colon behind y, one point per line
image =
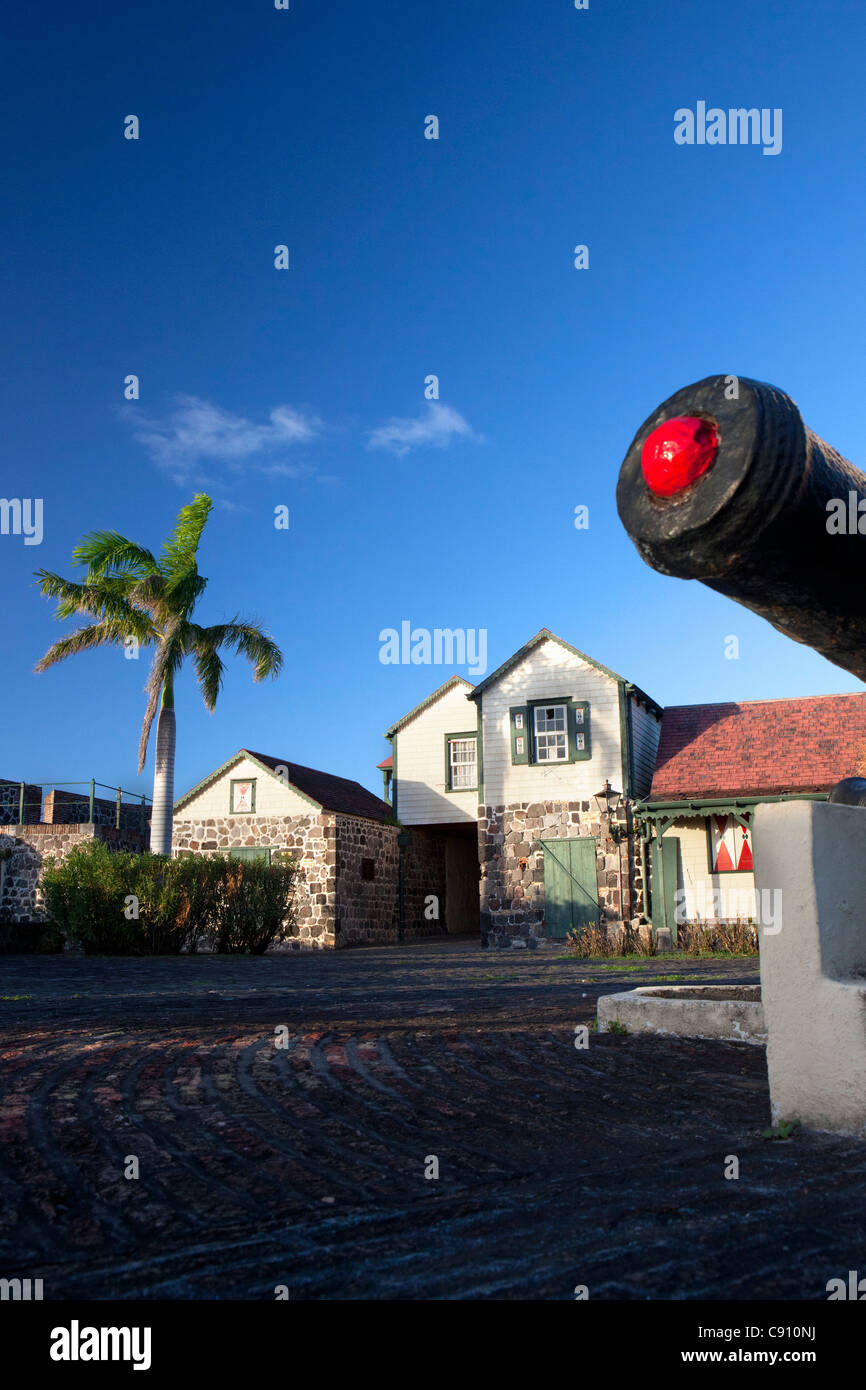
x: 304, y: 1166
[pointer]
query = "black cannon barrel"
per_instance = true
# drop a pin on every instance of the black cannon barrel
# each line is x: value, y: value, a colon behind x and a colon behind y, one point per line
x: 771, y: 521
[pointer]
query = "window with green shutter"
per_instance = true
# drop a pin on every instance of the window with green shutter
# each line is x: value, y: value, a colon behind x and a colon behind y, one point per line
x: 578, y: 731
x: 520, y: 733
x: 550, y: 731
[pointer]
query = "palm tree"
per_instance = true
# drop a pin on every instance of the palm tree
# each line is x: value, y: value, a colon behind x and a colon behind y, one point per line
x: 135, y: 597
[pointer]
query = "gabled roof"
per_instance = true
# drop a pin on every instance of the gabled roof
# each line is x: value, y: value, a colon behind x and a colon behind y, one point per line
x: 450, y: 684
x: 323, y: 790
x: 759, y: 747
x: 545, y: 635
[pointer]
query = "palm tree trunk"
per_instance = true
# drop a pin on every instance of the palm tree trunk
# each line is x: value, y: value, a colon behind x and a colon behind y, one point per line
x: 163, y: 777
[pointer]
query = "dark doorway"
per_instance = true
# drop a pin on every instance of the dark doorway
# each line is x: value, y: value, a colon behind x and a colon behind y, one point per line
x: 461, y: 884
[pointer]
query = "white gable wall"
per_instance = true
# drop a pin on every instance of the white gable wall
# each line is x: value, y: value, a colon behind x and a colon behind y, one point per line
x: 547, y: 671
x: 646, y: 728
x: 273, y: 798
x: 421, y: 795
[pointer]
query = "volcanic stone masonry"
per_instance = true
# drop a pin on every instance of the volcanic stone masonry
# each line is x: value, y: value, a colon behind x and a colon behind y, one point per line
x: 10, y: 802
x: 311, y: 840
x: 68, y: 808
x: 512, y: 867
x: 423, y: 878
x: 24, y: 848
x: 348, y: 884
x: 61, y: 807
x: 367, y: 876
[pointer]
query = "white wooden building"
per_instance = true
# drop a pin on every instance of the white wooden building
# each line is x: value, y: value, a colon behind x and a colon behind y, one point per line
x: 521, y: 762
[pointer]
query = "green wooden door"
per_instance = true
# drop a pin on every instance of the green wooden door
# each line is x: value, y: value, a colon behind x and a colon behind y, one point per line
x: 251, y: 852
x: 664, y: 884
x: 570, y: 885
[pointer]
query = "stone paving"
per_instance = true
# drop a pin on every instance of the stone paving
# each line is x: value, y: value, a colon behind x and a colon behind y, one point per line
x: 304, y: 1166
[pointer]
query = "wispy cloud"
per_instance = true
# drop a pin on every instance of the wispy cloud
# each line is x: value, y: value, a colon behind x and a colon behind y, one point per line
x: 437, y: 428
x: 198, y: 432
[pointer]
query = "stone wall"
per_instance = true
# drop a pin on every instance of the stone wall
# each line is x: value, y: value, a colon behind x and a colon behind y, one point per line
x: 368, y: 909
x: 310, y: 839
x: 367, y: 897
x: 512, y: 894
x: 337, y: 902
x: 348, y: 881
x: 424, y: 877
x: 10, y: 802
x: 71, y: 808
x: 21, y: 895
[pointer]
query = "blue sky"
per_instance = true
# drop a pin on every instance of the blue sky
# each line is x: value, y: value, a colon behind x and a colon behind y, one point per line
x: 408, y: 256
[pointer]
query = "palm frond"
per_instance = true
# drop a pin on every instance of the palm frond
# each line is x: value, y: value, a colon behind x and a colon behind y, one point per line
x: 149, y: 593
x: 150, y: 709
x: 83, y: 640
x: 183, y: 593
x: 179, y: 550
x: 107, y: 599
x: 166, y: 664
x: 75, y: 596
x: 247, y: 639
x: 210, y: 672
x: 104, y: 551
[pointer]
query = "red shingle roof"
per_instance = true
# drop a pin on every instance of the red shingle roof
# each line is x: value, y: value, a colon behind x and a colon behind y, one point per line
x: 387, y: 762
x: 759, y: 747
x: 332, y: 793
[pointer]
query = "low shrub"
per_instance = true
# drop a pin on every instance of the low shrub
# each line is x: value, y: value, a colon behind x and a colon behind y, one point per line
x: 149, y: 904
x: 159, y: 888
x: 198, y: 912
x: 253, y: 905
x: 732, y: 938
x: 84, y: 895
x: 594, y: 940
x: 725, y: 938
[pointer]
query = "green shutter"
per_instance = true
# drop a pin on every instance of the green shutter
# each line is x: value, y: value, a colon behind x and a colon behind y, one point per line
x: 520, y: 733
x: 578, y: 727
x: 665, y: 873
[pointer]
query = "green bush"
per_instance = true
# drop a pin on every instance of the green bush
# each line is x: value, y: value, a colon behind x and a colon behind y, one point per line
x: 202, y: 886
x: 84, y: 895
x: 149, y: 904
x: 161, y: 887
x: 253, y: 905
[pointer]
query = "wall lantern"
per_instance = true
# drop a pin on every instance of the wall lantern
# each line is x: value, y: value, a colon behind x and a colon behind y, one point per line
x: 608, y: 803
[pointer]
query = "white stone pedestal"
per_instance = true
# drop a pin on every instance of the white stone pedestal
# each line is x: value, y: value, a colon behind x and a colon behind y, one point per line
x: 813, y: 966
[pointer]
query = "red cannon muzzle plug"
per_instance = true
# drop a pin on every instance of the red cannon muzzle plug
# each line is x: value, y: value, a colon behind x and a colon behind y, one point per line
x: 677, y: 452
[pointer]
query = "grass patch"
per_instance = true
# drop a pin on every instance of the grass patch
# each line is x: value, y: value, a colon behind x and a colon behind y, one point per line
x: 783, y: 1130
x: 623, y: 965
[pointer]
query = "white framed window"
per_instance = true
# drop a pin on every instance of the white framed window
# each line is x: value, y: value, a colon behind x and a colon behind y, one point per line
x: 551, y: 733
x: 462, y: 764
